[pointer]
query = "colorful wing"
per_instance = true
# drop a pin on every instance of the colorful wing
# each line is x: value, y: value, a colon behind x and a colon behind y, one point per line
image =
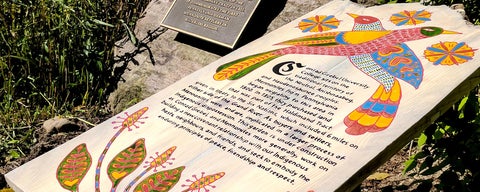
x: 401, y: 62
x: 317, y: 39
x: 336, y: 38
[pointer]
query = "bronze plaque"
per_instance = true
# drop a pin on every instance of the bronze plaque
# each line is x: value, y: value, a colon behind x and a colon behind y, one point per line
x: 217, y: 21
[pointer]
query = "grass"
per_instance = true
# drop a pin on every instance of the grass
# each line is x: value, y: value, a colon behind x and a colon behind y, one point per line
x: 56, y: 56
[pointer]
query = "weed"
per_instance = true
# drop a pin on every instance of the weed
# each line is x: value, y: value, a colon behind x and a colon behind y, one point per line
x: 56, y: 56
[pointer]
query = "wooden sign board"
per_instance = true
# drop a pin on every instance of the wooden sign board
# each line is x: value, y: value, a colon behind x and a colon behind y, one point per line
x: 312, y: 106
x: 217, y: 21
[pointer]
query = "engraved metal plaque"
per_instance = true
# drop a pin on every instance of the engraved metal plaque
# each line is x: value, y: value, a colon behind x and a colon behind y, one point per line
x: 217, y: 21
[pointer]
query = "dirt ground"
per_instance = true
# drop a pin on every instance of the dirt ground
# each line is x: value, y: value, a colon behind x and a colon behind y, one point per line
x: 48, y: 138
x: 389, y: 176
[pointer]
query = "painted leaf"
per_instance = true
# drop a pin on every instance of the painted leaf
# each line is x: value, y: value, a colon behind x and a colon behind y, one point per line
x: 449, y: 53
x: 410, y: 17
x: 203, y: 182
x: 160, y: 181
x: 240, y: 67
x: 126, y: 161
x: 156, y: 162
x: 161, y: 159
x: 74, y: 167
x: 131, y: 120
x: 318, y: 23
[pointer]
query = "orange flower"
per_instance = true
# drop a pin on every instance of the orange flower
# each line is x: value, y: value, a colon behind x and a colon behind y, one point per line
x: 318, y: 23
x: 410, y: 17
x: 449, y: 53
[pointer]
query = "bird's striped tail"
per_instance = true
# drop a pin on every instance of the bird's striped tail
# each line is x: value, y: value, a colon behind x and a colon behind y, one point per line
x: 240, y: 67
x: 376, y: 113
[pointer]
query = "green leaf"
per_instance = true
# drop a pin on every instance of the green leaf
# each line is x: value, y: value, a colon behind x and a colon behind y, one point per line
x: 462, y: 103
x: 422, y: 139
x: 160, y: 181
x: 438, y: 133
x: 419, y: 155
x: 13, y: 154
x: 126, y: 161
x: 409, y: 165
x: 102, y: 23
x: 131, y: 35
x: 74, y: 167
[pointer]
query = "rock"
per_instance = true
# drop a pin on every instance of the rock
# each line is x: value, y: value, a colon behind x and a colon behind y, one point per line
x: 460, y: 8
x: 171, y: 56
x: 58, y: 124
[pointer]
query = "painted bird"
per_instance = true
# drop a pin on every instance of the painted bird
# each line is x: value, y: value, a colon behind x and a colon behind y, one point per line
x: 379, y: 53
x: 378, y: 112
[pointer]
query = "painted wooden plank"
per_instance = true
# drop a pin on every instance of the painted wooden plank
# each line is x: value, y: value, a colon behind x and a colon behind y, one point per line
x: 316, y: 105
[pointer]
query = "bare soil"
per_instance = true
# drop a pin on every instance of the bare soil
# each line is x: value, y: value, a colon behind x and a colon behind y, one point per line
x: 389, y: 176
x: 47, y: 139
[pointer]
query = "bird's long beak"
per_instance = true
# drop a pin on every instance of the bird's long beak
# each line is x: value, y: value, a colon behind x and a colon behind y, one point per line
x: 450, y: 32
x: 353, y: 15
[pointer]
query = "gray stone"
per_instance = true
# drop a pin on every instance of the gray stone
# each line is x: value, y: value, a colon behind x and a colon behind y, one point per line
x: 170, y: 59
x: 58, y: 124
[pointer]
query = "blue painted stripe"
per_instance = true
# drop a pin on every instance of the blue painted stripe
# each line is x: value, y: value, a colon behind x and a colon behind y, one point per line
x: 391, y: 109
x: 399, y: 15
x: 330, y: 26
x: 367, y: 105
x: 458, y: 46
x: 308, y: 21
x: 308, y: 29
x: 402, y: 22
x: 328, y: 18
x: 436, y: 49
x: 440, y: 60
x: 339, y: 38
x: 423, y: 19
x: 463, y: 56
x: 378, y: 107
